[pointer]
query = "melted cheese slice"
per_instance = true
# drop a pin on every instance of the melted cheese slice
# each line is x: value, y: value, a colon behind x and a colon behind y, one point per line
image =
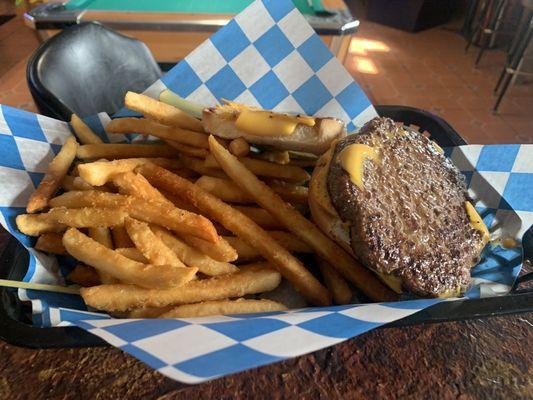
x: 477, y: 222
x: 450, y: 293
x: 353, y: 158
x: 509, y: 243
x: 439, y: 149
x: 268, y: 123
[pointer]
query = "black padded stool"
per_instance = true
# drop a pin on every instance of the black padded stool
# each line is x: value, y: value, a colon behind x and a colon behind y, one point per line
x: 87, y: 69
x: 516, y: 53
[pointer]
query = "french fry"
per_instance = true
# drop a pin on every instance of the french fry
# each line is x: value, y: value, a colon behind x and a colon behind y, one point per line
x: 188, y: 150
x: 150, y: 245
x: 192, y: 257
x: 130, y: 183
x: 124, y: 150
x: 292, y: 193
x: 286, y: 239
x: 301, y: 155
x: 86, y: 217
x: 300, y: 226
x: 211, y: 162
x: 179, y: 202
x: 224, y: 189
x: 90, y: 198
x: 276, y: 156
x: 84, y: 134
x: 186, y: 173
x: 290, y: 267
x: 291, y: 241
x: 261, y: 217
x: 133, y: 254
x: 37, y: 224
x: 239, y: 147
x: 148, y: 312
x: 223, y: 307
x: 197, y: 165
x: 148, y: 127
x: 229, y: 191
x: 57, y: 219
x: 75, y: 183
x: 51, y: 243
x: 268, y: 169
x: 161, y: 112
x: 84, y: 276
x: 103, y: 236
x: 120, y: 237
x: 92, y: 253
x: 57, y: 170
x: 170, y: 217
x: 244, y: 250
x: 99, y: 172
x: 257, y: 278
x: 219, y: 251
x: 74, y: 170
x: 339, y: 289
x: 175, y: 219
x: 303, y: 160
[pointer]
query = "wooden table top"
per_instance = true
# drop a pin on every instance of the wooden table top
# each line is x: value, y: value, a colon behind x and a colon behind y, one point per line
x: 477, y: 359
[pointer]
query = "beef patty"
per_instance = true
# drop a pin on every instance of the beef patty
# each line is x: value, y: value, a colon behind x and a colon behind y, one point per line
x: 409, y: 220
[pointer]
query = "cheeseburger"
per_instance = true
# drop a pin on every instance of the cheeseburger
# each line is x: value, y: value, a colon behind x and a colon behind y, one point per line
x: 389, y: 196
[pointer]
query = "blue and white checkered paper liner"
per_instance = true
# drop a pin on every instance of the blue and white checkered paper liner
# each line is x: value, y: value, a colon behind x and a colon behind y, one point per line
x: 193, y: 350
x: 269, y: 56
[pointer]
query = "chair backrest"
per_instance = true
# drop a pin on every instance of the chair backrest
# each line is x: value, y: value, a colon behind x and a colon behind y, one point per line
x: 86, y: 69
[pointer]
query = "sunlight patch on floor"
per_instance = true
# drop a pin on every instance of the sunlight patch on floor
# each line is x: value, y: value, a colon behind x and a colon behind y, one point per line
x: 361, y: 46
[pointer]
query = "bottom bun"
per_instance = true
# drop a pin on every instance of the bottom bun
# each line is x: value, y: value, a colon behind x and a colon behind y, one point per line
x: 322, y: 210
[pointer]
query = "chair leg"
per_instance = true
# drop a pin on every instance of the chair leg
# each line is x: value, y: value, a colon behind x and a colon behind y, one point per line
x: 505, y: 86
x: 491, y: 29
x: 500, y: 79
x: 482, y: 47
x: 518, y: 69
x: 472, y: 38
x: 466, y: 30
x: 496, y: 23
x: 479, y: 25
x: 516, y: 60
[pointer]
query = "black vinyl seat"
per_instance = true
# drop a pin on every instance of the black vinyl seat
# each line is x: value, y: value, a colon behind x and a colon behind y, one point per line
x: 87, y: 69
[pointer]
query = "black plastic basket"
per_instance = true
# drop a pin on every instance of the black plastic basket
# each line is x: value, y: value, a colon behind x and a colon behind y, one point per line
x: 15, y: 321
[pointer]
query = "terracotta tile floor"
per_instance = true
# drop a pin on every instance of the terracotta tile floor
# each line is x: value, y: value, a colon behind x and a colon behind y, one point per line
x: 428, y: 70
x: 17, y: 43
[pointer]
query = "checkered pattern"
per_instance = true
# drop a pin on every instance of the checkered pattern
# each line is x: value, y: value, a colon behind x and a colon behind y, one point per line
x: 240, y: 63
x: 195, y: 350
x: 269, y: 56
x: 500, y: 181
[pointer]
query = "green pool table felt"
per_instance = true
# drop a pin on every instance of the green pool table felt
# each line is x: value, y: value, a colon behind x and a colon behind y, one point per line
x: 183, y: 6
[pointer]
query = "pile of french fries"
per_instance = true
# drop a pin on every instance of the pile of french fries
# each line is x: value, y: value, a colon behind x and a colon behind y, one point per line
x: 186, y: 226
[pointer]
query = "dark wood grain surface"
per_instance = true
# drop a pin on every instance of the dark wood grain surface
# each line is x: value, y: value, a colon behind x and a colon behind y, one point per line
x: 478, y: 359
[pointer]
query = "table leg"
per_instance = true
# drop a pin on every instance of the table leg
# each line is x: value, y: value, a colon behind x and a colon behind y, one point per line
x: 339, y: 46
x: 42, y: 35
